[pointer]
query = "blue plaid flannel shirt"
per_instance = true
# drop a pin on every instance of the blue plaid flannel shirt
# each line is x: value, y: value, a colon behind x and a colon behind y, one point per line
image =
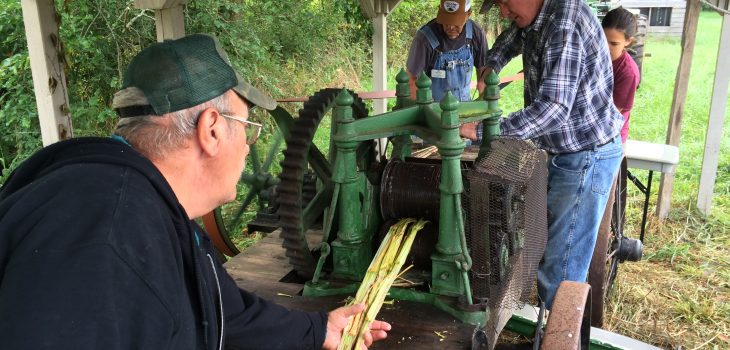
x: 568, y: 79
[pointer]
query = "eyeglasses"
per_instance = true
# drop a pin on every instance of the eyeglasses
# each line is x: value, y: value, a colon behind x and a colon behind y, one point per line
x: 253, y: 130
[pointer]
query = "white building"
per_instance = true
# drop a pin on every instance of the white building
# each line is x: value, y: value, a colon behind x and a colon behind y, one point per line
x: 664, y: 17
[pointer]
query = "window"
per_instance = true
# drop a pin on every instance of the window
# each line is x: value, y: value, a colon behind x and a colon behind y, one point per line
x: 658, y: 16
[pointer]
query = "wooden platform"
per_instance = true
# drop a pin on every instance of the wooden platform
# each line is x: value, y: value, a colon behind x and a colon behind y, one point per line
x: 260, y: 268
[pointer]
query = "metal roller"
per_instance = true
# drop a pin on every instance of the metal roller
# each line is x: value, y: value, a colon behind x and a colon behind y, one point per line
x: 410, y: 190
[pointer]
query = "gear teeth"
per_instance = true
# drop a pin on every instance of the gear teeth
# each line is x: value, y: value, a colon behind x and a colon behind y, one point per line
x: 292, y: 175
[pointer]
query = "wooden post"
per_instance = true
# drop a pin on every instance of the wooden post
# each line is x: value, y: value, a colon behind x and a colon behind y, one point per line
x: 377, y: 11
x: 380, y: 54
x: 170, y: 23
x: 169, y: 17
x: 674, y: 130
x: 713, y: 139
x: 47, y: 64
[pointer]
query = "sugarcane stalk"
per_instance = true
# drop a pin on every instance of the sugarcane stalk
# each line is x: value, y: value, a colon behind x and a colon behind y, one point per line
x: 379, y: 277
x: 376, y: 303
x: 385, y: 254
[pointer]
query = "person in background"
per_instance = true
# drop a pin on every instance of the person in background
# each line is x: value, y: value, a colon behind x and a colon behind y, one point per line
x: 447, y: 49
x: 98, y: 244
x: 619, y: 26
x: 568, y: 113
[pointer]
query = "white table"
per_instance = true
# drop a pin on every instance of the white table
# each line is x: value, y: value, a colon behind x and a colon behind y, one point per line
x: 652, y: 157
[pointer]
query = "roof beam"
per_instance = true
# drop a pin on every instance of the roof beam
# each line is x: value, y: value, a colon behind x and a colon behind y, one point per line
x: 371, y: 8
x: 169, y: 17
x: 721, y: 6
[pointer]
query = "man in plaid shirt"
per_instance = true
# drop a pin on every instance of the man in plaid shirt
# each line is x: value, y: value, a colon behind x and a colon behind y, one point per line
x: 570, y: 114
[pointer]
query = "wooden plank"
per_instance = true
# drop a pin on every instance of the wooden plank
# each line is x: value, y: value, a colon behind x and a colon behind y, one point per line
x: 47, y: 64
x: 713, y: 138
x: 368, y: 8
x: 158, y: 4
x: 392, y: 4
x: 371, y: 8
x: 170, y: 23
x: 267, y: 288
x: 260, y: 268
x: 169, y: 17
x: 266, y: 256
x: 674, y: 130
x: 721, y: 4
x: 414, y: 324
x: 380, y: 66
x: 379, y: 11
x: 648, y: 3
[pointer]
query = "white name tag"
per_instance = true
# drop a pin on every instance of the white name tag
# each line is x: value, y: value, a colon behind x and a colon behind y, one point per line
x: 438, y: 73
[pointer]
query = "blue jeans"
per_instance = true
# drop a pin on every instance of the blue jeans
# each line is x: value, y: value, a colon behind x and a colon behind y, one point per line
x: 578, y: 189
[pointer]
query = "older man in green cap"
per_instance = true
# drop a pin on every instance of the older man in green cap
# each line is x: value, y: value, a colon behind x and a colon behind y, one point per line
x: 98, y: 244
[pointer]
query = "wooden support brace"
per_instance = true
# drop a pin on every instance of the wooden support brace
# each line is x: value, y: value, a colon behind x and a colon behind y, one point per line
x: 674, y: 130
x: 718, y: 104
x: 169, y: 17
x: 380, y: 66
x: 377, y: 11
x: 170, y: 23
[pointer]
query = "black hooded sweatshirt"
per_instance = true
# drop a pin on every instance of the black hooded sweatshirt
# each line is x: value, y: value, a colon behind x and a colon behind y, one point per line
x: 96, y: 252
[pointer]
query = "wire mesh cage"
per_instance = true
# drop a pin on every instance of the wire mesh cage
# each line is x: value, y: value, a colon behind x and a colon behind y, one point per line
x: 506, y: 221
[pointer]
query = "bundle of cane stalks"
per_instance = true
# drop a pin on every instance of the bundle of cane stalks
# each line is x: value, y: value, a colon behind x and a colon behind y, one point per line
x: 383, y: 271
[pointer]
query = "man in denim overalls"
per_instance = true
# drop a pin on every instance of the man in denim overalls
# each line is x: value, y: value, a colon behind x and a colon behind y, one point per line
x: 447, y: 49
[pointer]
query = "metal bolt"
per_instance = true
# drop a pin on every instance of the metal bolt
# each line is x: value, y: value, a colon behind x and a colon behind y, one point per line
x: 570, y: 335
x: 444, y: 275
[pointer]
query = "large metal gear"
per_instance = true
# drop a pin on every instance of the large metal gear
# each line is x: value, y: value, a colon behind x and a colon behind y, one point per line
x: 301, y: 154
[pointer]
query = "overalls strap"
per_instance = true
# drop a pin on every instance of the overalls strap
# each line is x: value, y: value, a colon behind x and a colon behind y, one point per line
x: 428, y: 33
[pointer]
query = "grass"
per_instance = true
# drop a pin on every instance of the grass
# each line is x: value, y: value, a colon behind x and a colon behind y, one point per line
x: 679, y: 294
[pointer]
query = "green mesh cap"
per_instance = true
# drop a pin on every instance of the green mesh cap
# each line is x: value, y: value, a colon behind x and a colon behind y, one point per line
x: 179, y: 74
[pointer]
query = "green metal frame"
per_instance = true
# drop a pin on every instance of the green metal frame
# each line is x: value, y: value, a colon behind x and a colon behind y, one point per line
x: 354, y: 199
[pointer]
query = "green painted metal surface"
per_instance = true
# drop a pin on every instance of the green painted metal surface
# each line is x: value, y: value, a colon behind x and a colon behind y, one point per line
x: 354, y: 203
x: 352, y: 250
x: 354, y: 209
x: 352, y: 212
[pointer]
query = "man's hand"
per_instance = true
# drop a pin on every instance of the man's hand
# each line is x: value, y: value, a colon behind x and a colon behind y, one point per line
x: 469, y: 130
x: 337, y: 321
x: 482, y: 76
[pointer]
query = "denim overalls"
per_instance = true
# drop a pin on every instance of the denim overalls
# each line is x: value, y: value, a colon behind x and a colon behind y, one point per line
x: 452, y: 69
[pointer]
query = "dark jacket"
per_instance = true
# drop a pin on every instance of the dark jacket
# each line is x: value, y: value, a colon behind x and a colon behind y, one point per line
x: 96, y: 252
